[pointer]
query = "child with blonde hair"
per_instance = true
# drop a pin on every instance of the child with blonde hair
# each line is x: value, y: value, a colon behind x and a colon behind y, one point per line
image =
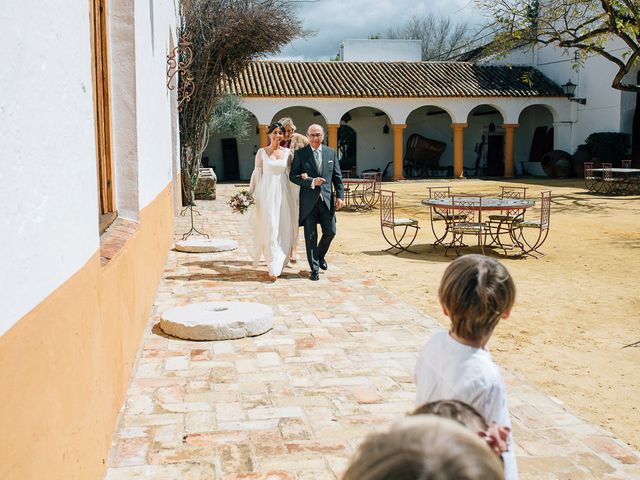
x: 424, y: 447
x: 476, y: 292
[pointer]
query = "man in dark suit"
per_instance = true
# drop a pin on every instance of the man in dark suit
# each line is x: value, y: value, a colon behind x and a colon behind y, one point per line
x: 320, y: 163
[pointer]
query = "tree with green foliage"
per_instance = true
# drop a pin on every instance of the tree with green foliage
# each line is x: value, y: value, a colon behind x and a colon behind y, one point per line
x: 229, y: 118
x: 589, y: 26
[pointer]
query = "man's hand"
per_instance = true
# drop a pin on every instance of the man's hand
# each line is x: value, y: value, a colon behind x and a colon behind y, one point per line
x: 318, y: 181
x: 339, y: 203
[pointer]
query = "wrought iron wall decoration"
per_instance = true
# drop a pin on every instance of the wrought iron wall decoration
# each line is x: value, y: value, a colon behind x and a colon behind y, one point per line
x: 178, y: 62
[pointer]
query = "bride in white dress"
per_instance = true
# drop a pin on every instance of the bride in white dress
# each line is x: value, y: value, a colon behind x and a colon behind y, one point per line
x: 273, y: 221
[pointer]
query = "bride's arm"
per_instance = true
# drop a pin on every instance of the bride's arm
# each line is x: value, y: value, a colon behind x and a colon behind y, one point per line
x: 256, y: 176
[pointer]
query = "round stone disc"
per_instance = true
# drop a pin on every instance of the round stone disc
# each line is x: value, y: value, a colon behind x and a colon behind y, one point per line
x: 203, y: 245
x: 217, y: 320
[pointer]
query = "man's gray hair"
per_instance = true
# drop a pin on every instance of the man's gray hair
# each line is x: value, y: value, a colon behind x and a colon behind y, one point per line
x: 315, y: 125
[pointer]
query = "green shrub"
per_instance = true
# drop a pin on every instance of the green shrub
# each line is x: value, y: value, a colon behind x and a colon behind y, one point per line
x: 230, y: 118
x: 611, y: 147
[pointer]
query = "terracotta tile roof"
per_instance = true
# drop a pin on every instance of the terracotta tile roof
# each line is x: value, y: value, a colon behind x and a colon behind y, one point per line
x: 389, y: 79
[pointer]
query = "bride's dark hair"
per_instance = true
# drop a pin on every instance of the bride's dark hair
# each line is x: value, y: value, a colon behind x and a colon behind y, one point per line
x: 273, y: 126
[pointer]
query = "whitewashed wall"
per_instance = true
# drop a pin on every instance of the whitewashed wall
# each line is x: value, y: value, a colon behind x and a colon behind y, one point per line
x: 380, y: 50
x: 155, y: 22
x: 302, y: 117
x: 530, y: 119
x: 606, y: 109
x: 398, y: 109
x: 373, y: 148
x: 246, y: 152
x: 48, y: 201
x: 410, y: 111
x: 48, y: 178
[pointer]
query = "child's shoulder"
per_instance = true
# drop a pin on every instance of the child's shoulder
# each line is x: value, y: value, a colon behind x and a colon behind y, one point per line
x: 441, y: 344
x: 438, y: 341
x: 440, y: 337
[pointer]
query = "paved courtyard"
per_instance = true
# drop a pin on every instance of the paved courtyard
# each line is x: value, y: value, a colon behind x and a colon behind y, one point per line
x: 295, y: 402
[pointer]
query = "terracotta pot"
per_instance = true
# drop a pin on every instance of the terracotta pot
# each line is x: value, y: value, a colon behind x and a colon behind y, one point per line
x: 556, y: 163
x: 578, y: 159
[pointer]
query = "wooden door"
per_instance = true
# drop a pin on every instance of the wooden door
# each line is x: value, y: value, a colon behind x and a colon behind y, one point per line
x: 495, y: 155
x: 230, y: 160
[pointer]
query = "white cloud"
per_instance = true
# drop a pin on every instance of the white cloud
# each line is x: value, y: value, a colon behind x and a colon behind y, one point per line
x: 335, y: 20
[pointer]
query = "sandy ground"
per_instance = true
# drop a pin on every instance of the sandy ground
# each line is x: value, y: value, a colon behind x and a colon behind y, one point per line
x: 576, y: 308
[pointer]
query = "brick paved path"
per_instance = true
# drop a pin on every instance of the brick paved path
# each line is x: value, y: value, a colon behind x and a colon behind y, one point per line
x: 295, y: 403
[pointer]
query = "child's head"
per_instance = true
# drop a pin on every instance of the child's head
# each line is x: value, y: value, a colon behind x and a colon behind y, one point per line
x: 475, y: 292
x: 496, y: 436
x: 456, y: 410
x: 425, y: 447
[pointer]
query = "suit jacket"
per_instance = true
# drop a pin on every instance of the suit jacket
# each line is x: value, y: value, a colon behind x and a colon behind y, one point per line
x: 304, y: 162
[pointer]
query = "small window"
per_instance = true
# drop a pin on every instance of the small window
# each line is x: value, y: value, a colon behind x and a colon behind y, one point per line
x: 102, y: 107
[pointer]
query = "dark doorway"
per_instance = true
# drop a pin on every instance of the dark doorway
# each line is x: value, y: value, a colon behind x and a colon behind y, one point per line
x: 347, y: 148
x: 495, y: 154
x: 635, y: 132
x: 230, y: 159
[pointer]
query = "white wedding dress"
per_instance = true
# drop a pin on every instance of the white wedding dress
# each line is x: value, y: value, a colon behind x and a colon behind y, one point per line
x: 273, y: 219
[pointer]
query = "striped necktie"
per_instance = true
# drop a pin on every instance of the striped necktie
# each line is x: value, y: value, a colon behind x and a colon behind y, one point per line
x: 318, y: 159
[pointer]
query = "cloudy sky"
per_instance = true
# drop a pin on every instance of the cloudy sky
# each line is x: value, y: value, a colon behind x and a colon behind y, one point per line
x: 334, y: 20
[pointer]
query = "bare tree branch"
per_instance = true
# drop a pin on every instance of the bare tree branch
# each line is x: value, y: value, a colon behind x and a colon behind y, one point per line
x: 225, y: 36
x: 440, y: 38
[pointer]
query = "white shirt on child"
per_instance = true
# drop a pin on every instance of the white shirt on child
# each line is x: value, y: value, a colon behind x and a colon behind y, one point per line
x: 447, y: 369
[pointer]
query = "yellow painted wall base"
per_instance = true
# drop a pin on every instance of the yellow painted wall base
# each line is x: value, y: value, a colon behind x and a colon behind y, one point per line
x: 65, y: 366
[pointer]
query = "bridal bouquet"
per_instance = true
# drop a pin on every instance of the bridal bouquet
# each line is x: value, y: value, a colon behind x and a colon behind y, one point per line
x: 241, y: 201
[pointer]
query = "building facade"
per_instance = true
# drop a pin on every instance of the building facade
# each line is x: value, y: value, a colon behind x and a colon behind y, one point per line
x: 604, y: 109
x: 479, y: 113
x: 380, y: 95
x: 88, y: 131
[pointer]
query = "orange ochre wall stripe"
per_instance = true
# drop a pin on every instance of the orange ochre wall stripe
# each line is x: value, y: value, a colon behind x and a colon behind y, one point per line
x: 65, y: 366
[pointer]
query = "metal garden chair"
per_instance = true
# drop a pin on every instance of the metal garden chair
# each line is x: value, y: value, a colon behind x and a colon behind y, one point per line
x: 466, y: 219
x: 439, y: 217
x: 372, y: 191
x: 500, y: 223
x: 590, y: 182
x: 399, y: 233
x: 531, y: 234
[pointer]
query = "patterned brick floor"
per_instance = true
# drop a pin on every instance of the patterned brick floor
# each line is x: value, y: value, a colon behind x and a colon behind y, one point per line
x: 295, y: 402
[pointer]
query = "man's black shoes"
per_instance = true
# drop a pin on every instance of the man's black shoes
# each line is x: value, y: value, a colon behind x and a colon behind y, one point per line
x: 315, y: 275
x: 323, y: 264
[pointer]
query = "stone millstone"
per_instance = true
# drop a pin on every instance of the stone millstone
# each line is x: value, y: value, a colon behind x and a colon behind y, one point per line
x: 203, y: 245
x: 217, y: 320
